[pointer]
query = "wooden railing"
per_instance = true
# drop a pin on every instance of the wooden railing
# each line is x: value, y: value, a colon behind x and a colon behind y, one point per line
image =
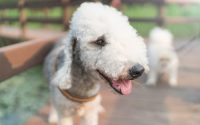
x: 161, y: 18
x: 19, y: 57
x: 21, y: 5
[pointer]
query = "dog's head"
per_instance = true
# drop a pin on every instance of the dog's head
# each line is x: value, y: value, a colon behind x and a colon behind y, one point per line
x: 108, y: 44
x: 161, y: 37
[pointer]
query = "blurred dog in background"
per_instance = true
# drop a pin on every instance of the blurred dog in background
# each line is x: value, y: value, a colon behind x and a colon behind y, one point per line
x: 162, y: 57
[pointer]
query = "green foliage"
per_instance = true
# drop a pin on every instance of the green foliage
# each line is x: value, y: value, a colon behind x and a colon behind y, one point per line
x: 7, y: 41
x: 146, y: 10
x: 184, y: 30
x: 149, y: 11
x: 183, y: 10
x: 21, y: 96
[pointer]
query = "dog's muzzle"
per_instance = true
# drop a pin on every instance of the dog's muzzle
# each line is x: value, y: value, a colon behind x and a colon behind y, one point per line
x: 124, y: 85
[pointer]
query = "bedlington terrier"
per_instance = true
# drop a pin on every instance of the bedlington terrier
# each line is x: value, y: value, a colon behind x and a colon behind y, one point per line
x: 101, y: 46
x: 162, y: 56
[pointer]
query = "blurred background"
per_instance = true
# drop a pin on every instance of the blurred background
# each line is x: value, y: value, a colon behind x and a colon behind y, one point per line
x: 28, y: 29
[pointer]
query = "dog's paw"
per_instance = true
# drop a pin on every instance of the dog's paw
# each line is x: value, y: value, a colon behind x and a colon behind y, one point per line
x: 53, y: 118
x: 173, y: 83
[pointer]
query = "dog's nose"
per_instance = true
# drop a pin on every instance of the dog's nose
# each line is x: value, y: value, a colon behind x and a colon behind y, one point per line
x: 136, y: 71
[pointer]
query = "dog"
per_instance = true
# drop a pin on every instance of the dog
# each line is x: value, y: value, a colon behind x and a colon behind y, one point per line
x: 162, y: 57
x: 101, y: 46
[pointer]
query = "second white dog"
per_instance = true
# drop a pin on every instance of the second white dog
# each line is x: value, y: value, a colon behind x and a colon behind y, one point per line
x: 162, y: 56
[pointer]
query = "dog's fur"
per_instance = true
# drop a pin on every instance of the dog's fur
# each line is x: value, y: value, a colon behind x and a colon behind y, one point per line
x: 73, y: 62
x: 162, y: 57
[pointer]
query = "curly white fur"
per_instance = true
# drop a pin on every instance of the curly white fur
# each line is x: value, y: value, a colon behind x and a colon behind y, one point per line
x: 72, y: 68
x: 87, y: 25
x: 162, y: 56
x: 123, y: 39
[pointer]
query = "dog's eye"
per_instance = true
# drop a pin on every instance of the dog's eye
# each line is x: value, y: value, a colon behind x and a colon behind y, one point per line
x: 100, y: 42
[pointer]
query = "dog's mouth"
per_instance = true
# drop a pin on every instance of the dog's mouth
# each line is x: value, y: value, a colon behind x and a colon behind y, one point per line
x: 122, y: 86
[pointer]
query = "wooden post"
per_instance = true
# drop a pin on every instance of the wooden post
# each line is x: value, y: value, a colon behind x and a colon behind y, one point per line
x: 3, y: 14
x: 65, y: 14
x: 161, y: 14
x: 106, y: 1
x: 46, y: 14
x: 116, y: 3
x: 22, y: 17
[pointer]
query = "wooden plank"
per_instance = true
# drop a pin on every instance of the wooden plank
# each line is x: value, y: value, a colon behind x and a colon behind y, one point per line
x: 183, y: 1
x: 19, y: 57
x: 33, y: 19
x: 39, y: 4
x: 9, y: 5
x: 58, y: 3
x: 31, y: 4
x: 167, y: 20
x: 15, y: 33
x: 146, y: 20
x: 51, y: 3
x: 143, y: 1
x: 43, y: 3
x: 161, y: 1
x: 45, y: 20
x: 171, y: 20
x: 9, y: 19
x: 182, y: 20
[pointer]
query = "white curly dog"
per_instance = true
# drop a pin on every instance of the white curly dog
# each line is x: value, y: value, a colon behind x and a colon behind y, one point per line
x: 101, y: 46
x: 162, y: 57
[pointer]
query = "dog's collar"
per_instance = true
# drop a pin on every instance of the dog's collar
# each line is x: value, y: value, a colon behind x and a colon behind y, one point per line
x: 75, y: 98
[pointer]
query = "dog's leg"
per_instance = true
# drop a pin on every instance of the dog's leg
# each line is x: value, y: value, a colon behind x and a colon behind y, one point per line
x: 152, y: 78
x: 90, y: 112
x: 53, y: 116
x: 173, y: 76
x: 90, y: 117
x: 63, y: 120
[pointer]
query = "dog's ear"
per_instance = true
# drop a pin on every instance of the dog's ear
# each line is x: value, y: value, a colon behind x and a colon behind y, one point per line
x: 62, y: 77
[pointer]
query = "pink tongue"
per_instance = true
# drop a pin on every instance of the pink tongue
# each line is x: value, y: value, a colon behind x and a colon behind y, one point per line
x: 124, y: 86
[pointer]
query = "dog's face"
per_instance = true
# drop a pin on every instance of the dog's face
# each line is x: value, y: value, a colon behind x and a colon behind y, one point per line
x: 109, y: 45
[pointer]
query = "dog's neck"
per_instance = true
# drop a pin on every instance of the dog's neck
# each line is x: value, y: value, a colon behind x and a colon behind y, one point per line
x: 86, y: 85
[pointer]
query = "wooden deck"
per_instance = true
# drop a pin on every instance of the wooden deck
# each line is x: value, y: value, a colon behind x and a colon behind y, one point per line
x: 160, y: 105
